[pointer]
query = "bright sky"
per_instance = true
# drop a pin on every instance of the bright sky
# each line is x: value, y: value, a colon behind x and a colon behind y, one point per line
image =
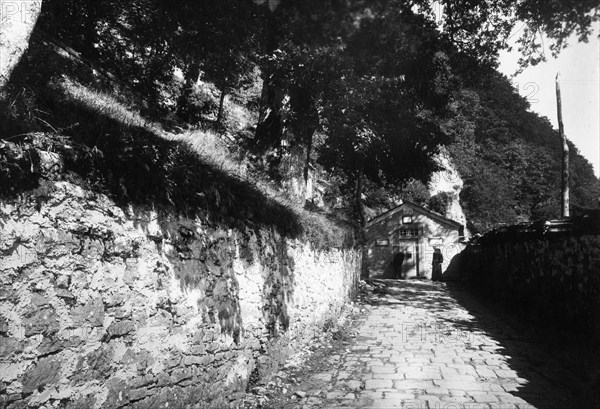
x: 579, y: 67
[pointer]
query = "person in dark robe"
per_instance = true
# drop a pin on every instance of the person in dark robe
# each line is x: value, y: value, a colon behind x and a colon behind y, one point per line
x: 438, y: 259
x: 397, y: 264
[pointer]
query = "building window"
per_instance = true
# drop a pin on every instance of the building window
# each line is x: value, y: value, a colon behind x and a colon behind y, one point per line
x: 435, y: 241
x: 383, y: 242
x: 414, y: 232
x: 407, y: 219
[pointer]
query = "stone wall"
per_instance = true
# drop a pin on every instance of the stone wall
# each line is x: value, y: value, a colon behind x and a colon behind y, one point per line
x: 554, y: 281
x: 108, y: 306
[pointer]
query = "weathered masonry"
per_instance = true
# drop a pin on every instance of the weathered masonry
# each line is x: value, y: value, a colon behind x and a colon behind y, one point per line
x: 416, y: 232
x: 104, y: 307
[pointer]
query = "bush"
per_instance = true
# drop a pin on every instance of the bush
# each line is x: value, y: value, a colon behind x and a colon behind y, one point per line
x: 439, y: 203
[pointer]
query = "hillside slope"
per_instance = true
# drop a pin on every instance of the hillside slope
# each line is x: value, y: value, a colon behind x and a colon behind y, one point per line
x: 113, y: 144
x: 510, y: 159
x: 141, y: 150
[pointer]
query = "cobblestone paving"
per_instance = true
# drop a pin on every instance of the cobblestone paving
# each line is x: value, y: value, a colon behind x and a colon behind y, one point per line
x: 430, y: 345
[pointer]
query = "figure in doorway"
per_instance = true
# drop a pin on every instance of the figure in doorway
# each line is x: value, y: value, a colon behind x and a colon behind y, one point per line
x: 438, y: 259
x: 397, y: 264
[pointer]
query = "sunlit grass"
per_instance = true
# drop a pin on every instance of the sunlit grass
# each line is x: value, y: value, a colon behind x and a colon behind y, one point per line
x: 212, y: 149
x: 106, y: 105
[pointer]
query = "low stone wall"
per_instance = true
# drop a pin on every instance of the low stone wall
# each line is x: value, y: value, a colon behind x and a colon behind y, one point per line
x: 555, y: 281
x: 102, y: 307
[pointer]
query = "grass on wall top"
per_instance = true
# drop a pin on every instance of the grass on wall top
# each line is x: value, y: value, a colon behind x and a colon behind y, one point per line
x: 53, y: 104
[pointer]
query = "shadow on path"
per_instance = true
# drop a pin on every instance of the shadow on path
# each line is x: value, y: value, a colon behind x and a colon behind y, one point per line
x: 541, y: 379
x: 424, y: 345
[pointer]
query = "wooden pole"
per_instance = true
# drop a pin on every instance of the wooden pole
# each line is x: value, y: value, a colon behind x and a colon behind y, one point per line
x: 564, y: 212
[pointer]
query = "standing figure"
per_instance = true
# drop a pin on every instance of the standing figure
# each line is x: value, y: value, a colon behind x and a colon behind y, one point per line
x: 397, y: 264
x: 438, y: 259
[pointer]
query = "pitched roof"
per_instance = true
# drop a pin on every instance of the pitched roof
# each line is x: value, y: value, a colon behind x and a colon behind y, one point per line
x: 438, y: 217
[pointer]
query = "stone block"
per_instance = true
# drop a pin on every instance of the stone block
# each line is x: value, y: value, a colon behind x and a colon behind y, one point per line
x: 192, y: 360
x: 409, y: 385
x: 180, y: 374
x: 172, y: 361
x: 3, y: 326
x: 139, y: 382
x: 14, y: 397
x: 51, y: 345
x: 137, y: 394
x: 118, y: 394
x: 379, y: 369
x: 84, y: 402
x: 378, y: 384
x: 63, y: 282
x: 40, y: 320
x: 119, y: 329
x: 65, y: 294
x: 92, y: 313
x: 9, y: 346
x: 163, y: 379
x: 43, y: 373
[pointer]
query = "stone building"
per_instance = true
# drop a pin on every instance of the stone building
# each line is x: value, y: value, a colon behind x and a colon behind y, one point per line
x: 415, y: 231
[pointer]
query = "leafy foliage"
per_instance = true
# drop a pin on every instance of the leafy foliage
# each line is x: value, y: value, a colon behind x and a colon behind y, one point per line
x: 440, y: 202
x: 509, y: 158
x: 368, y: 91
x: 481, y: 28
x: 107, y: 146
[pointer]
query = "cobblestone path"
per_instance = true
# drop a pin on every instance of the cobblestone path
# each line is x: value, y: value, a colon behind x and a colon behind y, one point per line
x: 431, y: 345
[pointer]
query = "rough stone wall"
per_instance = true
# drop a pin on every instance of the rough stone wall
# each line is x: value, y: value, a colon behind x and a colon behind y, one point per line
x: 102, y: 307
x: 553, y: 281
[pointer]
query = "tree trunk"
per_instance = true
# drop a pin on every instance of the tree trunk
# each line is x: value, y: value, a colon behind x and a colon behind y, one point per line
x: 309, y: 145
x: 360, y: 208
x: 362, y: 224
x: 221, y: 101
x: 90, y: 35
x: 564, y: 208
x: 449, y: 20
x: 184, y: 110
x: 18, y: 21
x: 270, y: 127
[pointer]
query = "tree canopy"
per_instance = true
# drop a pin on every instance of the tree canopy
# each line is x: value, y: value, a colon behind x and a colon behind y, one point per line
x: 367, y: 89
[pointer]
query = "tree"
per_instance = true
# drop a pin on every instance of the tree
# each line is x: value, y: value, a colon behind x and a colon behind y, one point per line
x: 143, y: 41
x: 130, y: 39
x: 558, y: 21
x: 379, y: 111
x: 218, y: 38
x: 508, y: 157
x: 16, y: 25
x: 383, y: 82
x: 481, y: 28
